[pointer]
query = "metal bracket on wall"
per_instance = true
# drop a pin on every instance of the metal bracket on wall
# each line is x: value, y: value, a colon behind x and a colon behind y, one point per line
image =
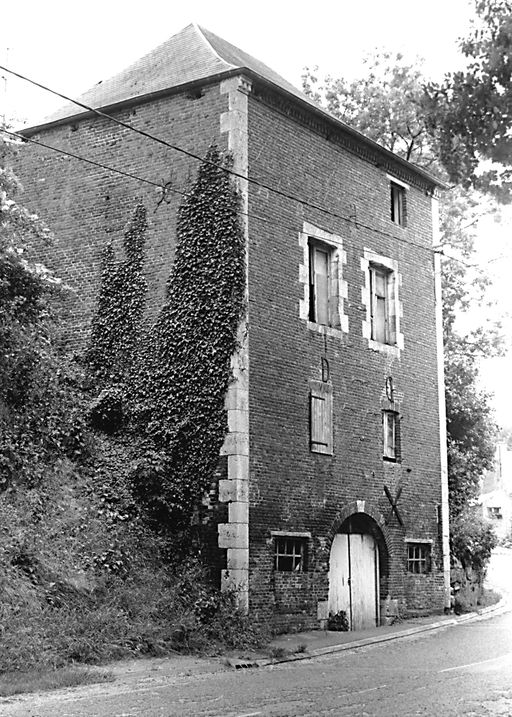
x: 393, y: 503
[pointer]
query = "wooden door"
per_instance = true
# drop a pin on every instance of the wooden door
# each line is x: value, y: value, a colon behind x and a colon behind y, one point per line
x: 364, y: 581
x: 354, y: 579
x: 339, y: 575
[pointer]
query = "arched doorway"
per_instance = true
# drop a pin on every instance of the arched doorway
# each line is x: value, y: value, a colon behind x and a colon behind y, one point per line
x: 358, y: 560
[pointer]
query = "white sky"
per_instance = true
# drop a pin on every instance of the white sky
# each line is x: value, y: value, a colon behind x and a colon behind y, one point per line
x: 71, y: 46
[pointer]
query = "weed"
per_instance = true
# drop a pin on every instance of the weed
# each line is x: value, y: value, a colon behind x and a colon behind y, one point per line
x: 277, y: 653
x: 338, y: 622
x: 39, y: 680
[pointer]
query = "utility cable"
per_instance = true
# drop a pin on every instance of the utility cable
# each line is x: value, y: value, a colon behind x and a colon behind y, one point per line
x: 167, y: 188
x: 84, y: 159
x: 192, y: 155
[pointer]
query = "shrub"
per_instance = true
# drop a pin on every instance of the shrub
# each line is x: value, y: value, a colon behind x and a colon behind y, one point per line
x: 338, y: 622
x: 472, y: 540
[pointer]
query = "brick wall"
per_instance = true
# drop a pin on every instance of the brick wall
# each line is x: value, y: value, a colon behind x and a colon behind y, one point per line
x: 87, y: 207
x: 293, y: 489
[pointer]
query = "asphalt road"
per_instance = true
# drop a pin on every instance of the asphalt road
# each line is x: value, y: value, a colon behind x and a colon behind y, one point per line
x: 460, y: 670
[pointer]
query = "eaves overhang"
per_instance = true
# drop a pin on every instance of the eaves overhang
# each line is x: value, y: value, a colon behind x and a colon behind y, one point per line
x: 389, y: 159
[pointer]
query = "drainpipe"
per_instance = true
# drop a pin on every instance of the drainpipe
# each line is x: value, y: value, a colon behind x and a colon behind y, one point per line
x: 445, y: 515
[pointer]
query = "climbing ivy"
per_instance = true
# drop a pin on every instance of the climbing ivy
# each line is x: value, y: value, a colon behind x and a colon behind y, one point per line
x: 192, y: 343
x: 112, y: 355
x: 116, y: 325
x: 176, y: 379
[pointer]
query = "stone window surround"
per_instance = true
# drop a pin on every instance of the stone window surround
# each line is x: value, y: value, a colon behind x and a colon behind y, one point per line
x: 335, y: 242
x: 370, y: 258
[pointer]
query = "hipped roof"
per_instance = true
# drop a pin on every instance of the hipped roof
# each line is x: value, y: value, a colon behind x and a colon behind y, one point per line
x: 195, y: 56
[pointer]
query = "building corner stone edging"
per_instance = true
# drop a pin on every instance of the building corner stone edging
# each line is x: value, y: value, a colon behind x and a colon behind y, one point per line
x: 233, y: 536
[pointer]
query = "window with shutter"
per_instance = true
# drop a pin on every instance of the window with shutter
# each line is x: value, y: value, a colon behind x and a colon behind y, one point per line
x: 383, y: 312
x: 321, y: 276
x: 398, y: 214
x: 381, y: 298
x: 321, y: 431
x: 391, y: 426
x: 319, y: 286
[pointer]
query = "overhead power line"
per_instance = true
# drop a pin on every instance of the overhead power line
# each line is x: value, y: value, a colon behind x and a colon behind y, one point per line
x: 192, y: 155
x: 83, y: 159
x: 168, y: 188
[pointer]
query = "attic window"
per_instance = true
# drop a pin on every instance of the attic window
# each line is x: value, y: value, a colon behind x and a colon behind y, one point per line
x: 398, y: 201
x: 196, y: 94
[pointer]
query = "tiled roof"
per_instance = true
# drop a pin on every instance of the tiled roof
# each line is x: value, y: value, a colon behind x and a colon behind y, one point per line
x: 192, y: 54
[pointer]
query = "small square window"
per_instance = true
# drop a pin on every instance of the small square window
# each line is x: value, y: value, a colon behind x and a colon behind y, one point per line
x: 418, y: 558
x: 398, y: 204
x: 494, y: 513
x: 383, y: 310
x: 391, y: 430
x: 290, y: 554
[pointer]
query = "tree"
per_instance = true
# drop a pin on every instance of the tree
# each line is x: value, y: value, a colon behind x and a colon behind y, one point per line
x: 390, y: 105
x: 470, y: 111
x: 40, y: 417
x: 386, y: 104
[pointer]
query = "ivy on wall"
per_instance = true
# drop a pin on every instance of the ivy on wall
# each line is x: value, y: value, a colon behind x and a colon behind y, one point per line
x: 116, y: 329
x: 116, y: 325
x: 183, y: 367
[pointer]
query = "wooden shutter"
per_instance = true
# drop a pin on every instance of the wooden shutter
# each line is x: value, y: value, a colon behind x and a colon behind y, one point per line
x: 391, y: 308
x: 379, y: 304
x: 321, y: 432
x: 319, y: 283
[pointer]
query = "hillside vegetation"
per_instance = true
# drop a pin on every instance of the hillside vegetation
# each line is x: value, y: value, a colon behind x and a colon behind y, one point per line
x: 100, y: 550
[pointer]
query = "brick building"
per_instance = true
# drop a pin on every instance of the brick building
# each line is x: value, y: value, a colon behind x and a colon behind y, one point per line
x: 335, y: 489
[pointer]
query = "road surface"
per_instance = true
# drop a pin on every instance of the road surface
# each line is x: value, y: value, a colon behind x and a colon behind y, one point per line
x: 460, y: 670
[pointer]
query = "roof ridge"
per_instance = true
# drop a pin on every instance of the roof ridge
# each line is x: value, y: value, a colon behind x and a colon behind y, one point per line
x: 200, y: 31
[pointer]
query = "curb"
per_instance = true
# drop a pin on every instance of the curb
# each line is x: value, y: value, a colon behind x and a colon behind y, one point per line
x: 500, y: 607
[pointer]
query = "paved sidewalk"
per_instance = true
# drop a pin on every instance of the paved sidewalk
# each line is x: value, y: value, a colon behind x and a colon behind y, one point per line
x: 305, y: 645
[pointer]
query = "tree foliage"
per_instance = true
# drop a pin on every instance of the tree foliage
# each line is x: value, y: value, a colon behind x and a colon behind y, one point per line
x: 470, y: 111
x: 386, y: 104
x: 40, y: 417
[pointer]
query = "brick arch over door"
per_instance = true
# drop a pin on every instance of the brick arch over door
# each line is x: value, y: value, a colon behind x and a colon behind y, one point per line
x: 359, y: 506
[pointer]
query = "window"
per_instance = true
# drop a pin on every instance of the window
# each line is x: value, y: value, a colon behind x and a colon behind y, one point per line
x: 494, y: 513
x: 390, y: 426
x: 290, y: 554
x: 418, y: 558
x: 321, y: 439
x: 380, y: 296
x: 324, y: 290
x: 382, y: 308
x: 398, y: 215
x: 320, y: 276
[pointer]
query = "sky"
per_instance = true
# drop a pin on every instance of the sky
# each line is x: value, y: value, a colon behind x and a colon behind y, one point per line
x: 71, y: 46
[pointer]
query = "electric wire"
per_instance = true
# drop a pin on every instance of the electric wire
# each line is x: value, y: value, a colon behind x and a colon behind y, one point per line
x: 165, y: 187
x: 202, y: 160
x: 251, y: 180
x: 83, y: 159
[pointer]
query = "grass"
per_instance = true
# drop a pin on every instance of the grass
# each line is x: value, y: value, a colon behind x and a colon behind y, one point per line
x: 15, y: 683
x: 277, y: 653
x: 488, y: 597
